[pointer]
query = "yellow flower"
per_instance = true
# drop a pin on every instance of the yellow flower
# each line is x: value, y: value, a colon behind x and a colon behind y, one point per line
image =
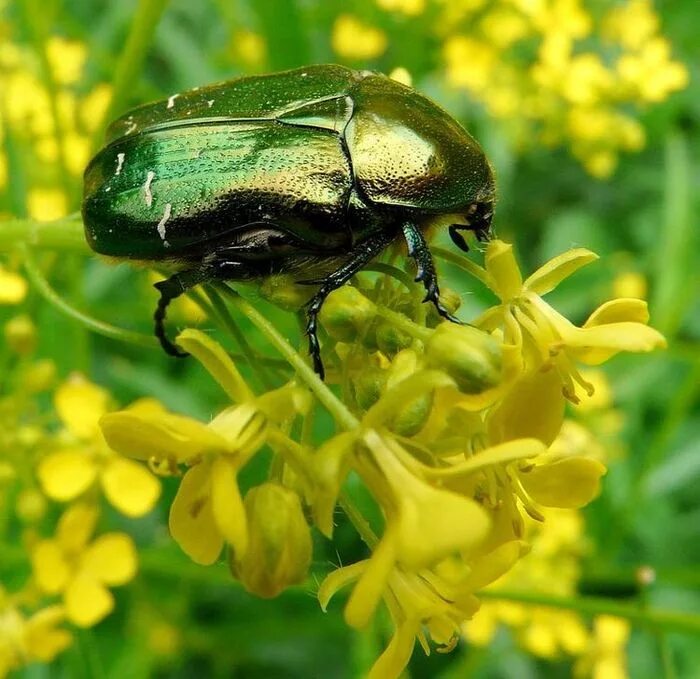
x: 37, y: 638
x: 605, y: 657
x: 544, y: 338
x: 79, y: 570
x: 408, y: 7
x: 66, y: 59
x: 353, y: 39
x: 13, y: 288
x: 47, y: 204
x: 86, y: 458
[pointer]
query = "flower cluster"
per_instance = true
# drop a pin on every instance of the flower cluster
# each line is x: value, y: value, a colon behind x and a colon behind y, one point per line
x: 45, y: 112
x: 457, y: 432
x: 59, y: 454
x: 553, y: 71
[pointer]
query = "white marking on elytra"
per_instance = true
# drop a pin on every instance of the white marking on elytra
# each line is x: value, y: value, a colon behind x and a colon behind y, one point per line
x: 171, y: 100
x: 120, y: 162
x: 210, y: 103
x: 131, y: 128
x: 148, y: 195
x: 303, y: 75
x: 161, y: 223
x: 107, y: 189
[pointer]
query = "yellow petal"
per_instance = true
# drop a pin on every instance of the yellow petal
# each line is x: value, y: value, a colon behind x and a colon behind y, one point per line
x: 76, y: 526
x: 502, y: 267
x: 392, y: 662
x: 331, y: 464
x: 618, y: 310
x: 532, y: 408
x: 13, y: 288
x: 431, y: 523
x: 488, y: 568
x: 217, y: 362
x: 87, y: 601
x: 43, y: 639
x: 244, y: 428
x: 595, y: 344
x: 67, y: 473
x: 143, y: 435
x: 338, y: 579
x: 50, y: 567
x: 131, y: 488
x: 110, y: 559
x: 569, y: 483
x: 553, y: 272
x: 80, y: 404
x: 372, y: 583
x: 191, y: 521
x: 227, y: 506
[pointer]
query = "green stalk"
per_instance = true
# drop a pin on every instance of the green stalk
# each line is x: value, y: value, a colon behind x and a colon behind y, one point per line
x: 47, y: 292
x: 670, y: 621
x: 334, y: 406
x: 64, y: 234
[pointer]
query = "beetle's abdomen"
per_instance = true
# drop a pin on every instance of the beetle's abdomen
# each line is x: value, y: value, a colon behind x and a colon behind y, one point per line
x: 166, y: 193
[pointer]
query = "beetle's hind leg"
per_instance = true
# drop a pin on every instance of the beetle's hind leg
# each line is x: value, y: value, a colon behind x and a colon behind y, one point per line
x: 425, y: 269
x: 362, y: 254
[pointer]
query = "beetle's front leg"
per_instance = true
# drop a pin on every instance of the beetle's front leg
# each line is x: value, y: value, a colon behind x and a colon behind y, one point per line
x: 358, y: 258
x: 425, y: 270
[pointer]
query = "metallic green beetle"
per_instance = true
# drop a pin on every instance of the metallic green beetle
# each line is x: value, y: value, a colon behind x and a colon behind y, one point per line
x: 312, y: 171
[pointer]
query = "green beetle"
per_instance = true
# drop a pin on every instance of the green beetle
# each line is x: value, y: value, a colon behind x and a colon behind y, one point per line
x: 312, y: 171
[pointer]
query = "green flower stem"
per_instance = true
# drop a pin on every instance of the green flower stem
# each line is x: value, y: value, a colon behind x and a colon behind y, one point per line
x: 334, y: 406
x: 358, y: 521
x: 400, y: 321
x: 250, y: 357
x: 64, y: 234
x: 670, y: 621
x: 45, y: 290
x: 131, y: 60
x: 394, y: 272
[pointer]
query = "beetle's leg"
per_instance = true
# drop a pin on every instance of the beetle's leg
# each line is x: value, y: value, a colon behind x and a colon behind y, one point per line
x: 170, y: 289
x: 359, y: 257
x: 425, y: 270
x: 181, y: 282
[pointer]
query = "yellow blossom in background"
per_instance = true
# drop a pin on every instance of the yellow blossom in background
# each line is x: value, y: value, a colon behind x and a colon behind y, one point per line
x: 576, y: 90
x: 249, y: 47
x: 605, y: 656
x: 47, y: 204
x: 81, y: 571
x: 13, y: 288
x: 408, y: 7
x: 85, y: 458
x: 353, y: 39
x: 66, y: 59
x: 28, y: 639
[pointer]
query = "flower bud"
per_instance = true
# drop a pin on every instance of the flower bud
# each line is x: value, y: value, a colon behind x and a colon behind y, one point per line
x: 30, y: 505
x: 283, y: 292
x: 414, y: 414
x: 39, y: 376
x: 279, y: 548
x: 469, y: 356
x: 390, y: 339
x: 20, y: 335
x: 346, y: 313
x: 369, y: 385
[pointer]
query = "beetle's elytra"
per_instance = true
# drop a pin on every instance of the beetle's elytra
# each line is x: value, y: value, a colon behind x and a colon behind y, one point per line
x: 312, y: 171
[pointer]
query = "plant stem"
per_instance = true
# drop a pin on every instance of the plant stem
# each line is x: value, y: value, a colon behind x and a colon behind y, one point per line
x: 657, y: 619
x: 334, y: 406
x: 64, y: 234
x: 50, y: 295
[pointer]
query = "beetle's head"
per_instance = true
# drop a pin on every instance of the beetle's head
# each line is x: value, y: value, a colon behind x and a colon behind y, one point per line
x: 478, y: 220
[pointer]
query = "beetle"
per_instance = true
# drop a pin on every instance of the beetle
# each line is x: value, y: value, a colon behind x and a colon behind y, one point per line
x: 312, y: 172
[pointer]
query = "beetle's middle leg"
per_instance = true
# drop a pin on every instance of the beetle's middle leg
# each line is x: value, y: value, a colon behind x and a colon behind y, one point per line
x: 359, y: 257
x: 425, y: 269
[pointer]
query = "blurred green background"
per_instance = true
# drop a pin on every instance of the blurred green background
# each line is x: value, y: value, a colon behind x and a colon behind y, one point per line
x: 628, y: 191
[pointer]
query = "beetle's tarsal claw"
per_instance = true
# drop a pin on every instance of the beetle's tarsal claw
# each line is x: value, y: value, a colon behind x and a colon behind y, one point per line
x: 458, y: 238
x: 169, y: 290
